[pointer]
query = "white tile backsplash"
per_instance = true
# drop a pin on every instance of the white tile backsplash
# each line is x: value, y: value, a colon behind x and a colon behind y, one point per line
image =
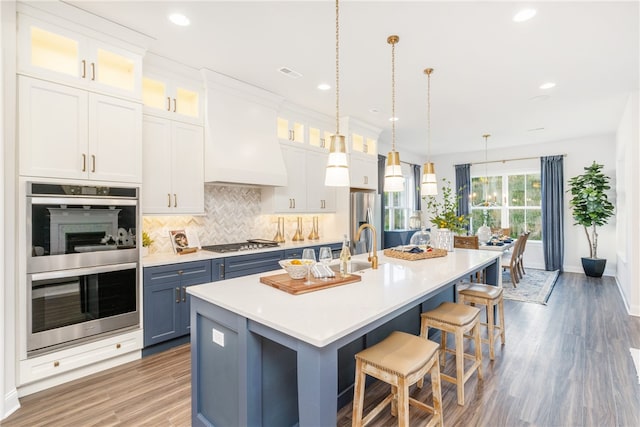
x: 232, y: 214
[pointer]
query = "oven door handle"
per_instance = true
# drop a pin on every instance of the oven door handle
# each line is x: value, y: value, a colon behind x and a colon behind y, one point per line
x: 60, y: 274
x: 85, y: 201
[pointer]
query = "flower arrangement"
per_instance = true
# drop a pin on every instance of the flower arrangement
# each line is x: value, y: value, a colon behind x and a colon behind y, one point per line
x: 443, y: 214
x: 146, y: 239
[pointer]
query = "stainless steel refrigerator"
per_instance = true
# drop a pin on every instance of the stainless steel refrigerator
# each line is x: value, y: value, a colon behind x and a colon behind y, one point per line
x: 365, y: 208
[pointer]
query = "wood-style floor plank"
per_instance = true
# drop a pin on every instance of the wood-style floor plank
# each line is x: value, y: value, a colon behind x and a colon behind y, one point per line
x: 564, y: 364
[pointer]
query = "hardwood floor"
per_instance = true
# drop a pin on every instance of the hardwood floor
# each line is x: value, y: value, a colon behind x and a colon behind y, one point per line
x: 564, y: 364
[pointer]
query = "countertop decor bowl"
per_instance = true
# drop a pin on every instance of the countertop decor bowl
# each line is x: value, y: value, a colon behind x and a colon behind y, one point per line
x: 296, y: 271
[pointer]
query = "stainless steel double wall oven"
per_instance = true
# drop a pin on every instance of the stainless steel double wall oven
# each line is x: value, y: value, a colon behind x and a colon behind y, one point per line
x: 82, y: 262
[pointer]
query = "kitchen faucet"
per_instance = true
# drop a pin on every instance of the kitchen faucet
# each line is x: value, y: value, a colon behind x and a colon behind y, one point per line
x: 373, y: 257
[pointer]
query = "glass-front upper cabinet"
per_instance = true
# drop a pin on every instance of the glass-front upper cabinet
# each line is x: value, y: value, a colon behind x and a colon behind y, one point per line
x: 291, y: 129
x: 177, y: 100
x: 55, y: 53
x: 320, y: 135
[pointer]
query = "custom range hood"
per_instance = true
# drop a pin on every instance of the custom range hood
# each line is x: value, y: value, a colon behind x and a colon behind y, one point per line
x: 241, y: 144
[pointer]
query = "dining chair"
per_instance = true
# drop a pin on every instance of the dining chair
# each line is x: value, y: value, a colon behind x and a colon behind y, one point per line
x: 469, y: 242
x: 514, y: 261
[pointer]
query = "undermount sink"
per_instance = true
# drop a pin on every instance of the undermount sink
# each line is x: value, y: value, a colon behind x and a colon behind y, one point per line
x: 355, y: 266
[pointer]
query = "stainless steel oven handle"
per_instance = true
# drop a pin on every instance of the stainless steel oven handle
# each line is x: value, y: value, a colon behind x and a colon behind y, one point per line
x: 82, y: 201
x: 82, y: 271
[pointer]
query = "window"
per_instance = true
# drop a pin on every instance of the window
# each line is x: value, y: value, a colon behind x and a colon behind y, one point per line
x: 399, y: 205
x: 509, y: 201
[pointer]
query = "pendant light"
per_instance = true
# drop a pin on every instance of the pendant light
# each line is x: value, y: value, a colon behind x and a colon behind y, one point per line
x: 484, y: 231
x: 393, y: 179
x: 337, y: 171
x: 429, y: 186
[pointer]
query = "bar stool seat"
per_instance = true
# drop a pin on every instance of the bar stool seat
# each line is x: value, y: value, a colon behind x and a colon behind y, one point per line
x: 490, y: 297
x: 459, y: 319
x: 400, y: 360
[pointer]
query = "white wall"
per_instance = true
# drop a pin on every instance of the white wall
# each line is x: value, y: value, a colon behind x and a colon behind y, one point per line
x: 628, y: 185
x: 9, y: 396
x: 580, y: 152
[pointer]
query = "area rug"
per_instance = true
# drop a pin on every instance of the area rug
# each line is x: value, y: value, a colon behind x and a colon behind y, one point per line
x: 534, y: 287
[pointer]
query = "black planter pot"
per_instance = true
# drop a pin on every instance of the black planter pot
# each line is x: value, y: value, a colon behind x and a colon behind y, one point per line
x: 593, y: 267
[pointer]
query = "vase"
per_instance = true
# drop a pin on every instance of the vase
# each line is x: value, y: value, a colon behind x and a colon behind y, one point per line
x: 279, y: 237
x: 144, y: 251
x: 484, y: 233
x: 298, y: 237
x: 314, y: 230
x: 444, y: 239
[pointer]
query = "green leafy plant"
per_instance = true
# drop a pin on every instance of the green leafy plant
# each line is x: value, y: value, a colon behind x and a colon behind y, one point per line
x: 146, y: 240
x: 443, y: 213
x: 589, y: 203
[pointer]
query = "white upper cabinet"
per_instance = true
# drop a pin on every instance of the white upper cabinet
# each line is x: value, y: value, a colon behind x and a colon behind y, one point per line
x: 55, y: 53
x: 363, y: 171
x: 173, y: 98
x: 291, y: 128
x: 320, y: 198
x: 173, y: 167
x: 66, y: 132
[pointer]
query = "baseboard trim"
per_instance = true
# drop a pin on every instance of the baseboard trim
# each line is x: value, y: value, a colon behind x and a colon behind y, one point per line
x: 11, y: 403
x: 631, y: 311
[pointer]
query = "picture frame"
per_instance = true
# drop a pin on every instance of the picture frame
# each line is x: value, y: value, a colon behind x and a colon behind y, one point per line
x: 184, y: 241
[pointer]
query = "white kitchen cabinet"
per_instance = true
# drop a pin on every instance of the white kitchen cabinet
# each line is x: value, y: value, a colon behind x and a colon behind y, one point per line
x: 55, y: 53
x: 173, y: 167
x: 66, y: 132
x: 363, y: 170
x: 305, y: 191
x: 291, y: 128
x: 320, y: 198
x: 166, y: 96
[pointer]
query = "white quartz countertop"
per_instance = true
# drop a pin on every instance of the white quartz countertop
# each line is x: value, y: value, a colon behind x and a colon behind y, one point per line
x: 324, y: 316
x: 154, y: 260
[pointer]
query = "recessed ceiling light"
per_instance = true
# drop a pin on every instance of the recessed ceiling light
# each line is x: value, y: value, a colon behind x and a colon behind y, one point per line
x: 524, y: 15
x: 324, y: 86
x: 393, y: 119
x: 547, y: 85
x: 179, y: 19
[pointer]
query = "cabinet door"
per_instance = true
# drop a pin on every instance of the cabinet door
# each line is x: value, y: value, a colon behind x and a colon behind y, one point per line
x: 175, y: 100
x: 53, y: 127
x: 115, y: 139
x: 191, y: 273
x: 244, y: 265
x: 162, y: 311
x: 320, y: 198
x: 293, y: 197
x: 364, y: 171
x: 115, y: 70
x: 49, y: 51
x: 187, y: 160
x: 156, y: 194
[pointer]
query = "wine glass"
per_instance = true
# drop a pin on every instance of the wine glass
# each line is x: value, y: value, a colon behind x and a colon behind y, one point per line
x: 325, y: 256
x: 309, y: 259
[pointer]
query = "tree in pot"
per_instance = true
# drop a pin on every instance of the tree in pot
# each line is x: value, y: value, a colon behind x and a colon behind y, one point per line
x: 591, y: 208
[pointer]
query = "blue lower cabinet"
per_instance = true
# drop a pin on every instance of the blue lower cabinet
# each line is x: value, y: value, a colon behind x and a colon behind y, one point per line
x: 244, y: 265
x: 165, y: 299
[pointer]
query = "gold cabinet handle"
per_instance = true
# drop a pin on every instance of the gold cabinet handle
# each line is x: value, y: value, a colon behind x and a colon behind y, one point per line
x: 177, y: 295
x: 93, y: 163
x: 84, y: 162
x: 175, y: 200
x: 184, y: 294
x: 93, y: 71
x: 168, y: 103
x: 118, y: 346
x: 84, y: 69
x: 294, y: 203
x: 56, y: 364
x: 169, y: 198
x: 174, y: 105
x: 366, y: 179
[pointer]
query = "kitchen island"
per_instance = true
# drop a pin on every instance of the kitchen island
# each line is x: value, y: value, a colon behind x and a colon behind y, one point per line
x: 261, y: 356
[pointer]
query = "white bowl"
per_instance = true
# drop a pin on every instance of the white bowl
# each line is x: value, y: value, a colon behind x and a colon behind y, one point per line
x: 296, y: 271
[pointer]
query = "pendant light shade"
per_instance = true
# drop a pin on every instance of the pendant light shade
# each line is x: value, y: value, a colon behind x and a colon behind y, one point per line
x: 337, y: 172
x: 393, y: 178
x: 429, y: 185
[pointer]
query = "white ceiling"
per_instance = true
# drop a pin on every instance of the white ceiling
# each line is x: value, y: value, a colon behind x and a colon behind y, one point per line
x: 488, y: 69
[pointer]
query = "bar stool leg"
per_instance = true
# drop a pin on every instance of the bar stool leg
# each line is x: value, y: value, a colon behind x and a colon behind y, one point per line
x: 501, y: 315
x: 490, y: 327
x: 394, y: 401
x: 460, y: 366
x: 358, y: 401
x: 443, y: 348
x: 437, y: 391
x: 478, y: 346
x: 403, y: 403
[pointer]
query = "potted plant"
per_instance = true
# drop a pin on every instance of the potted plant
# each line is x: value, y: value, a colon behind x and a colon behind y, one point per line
x: 146, y: 242
x: 443, y: 213
x: 591, y: 208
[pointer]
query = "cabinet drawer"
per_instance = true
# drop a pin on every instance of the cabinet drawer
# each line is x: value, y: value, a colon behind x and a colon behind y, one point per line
x: 245, y: 265
x: 189, y: 273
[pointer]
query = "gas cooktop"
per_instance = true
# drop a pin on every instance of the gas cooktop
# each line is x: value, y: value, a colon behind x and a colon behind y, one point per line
x: 243, y: 246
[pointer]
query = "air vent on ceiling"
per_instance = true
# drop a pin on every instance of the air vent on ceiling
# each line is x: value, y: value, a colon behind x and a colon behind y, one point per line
x: 289, y: 72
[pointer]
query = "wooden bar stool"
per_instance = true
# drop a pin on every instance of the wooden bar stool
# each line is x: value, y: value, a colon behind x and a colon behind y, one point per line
x: 400, y: 360
x: 490, y: 297
x: 458, y: 319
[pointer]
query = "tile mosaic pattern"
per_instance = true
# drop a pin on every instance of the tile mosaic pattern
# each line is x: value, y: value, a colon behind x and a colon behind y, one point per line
x: 232, y: 214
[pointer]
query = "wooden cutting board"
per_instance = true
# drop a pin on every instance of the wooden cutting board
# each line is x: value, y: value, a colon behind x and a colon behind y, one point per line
x: 296, y: 286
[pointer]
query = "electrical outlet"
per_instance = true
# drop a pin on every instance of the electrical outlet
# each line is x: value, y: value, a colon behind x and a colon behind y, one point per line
x: 218, y: 337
